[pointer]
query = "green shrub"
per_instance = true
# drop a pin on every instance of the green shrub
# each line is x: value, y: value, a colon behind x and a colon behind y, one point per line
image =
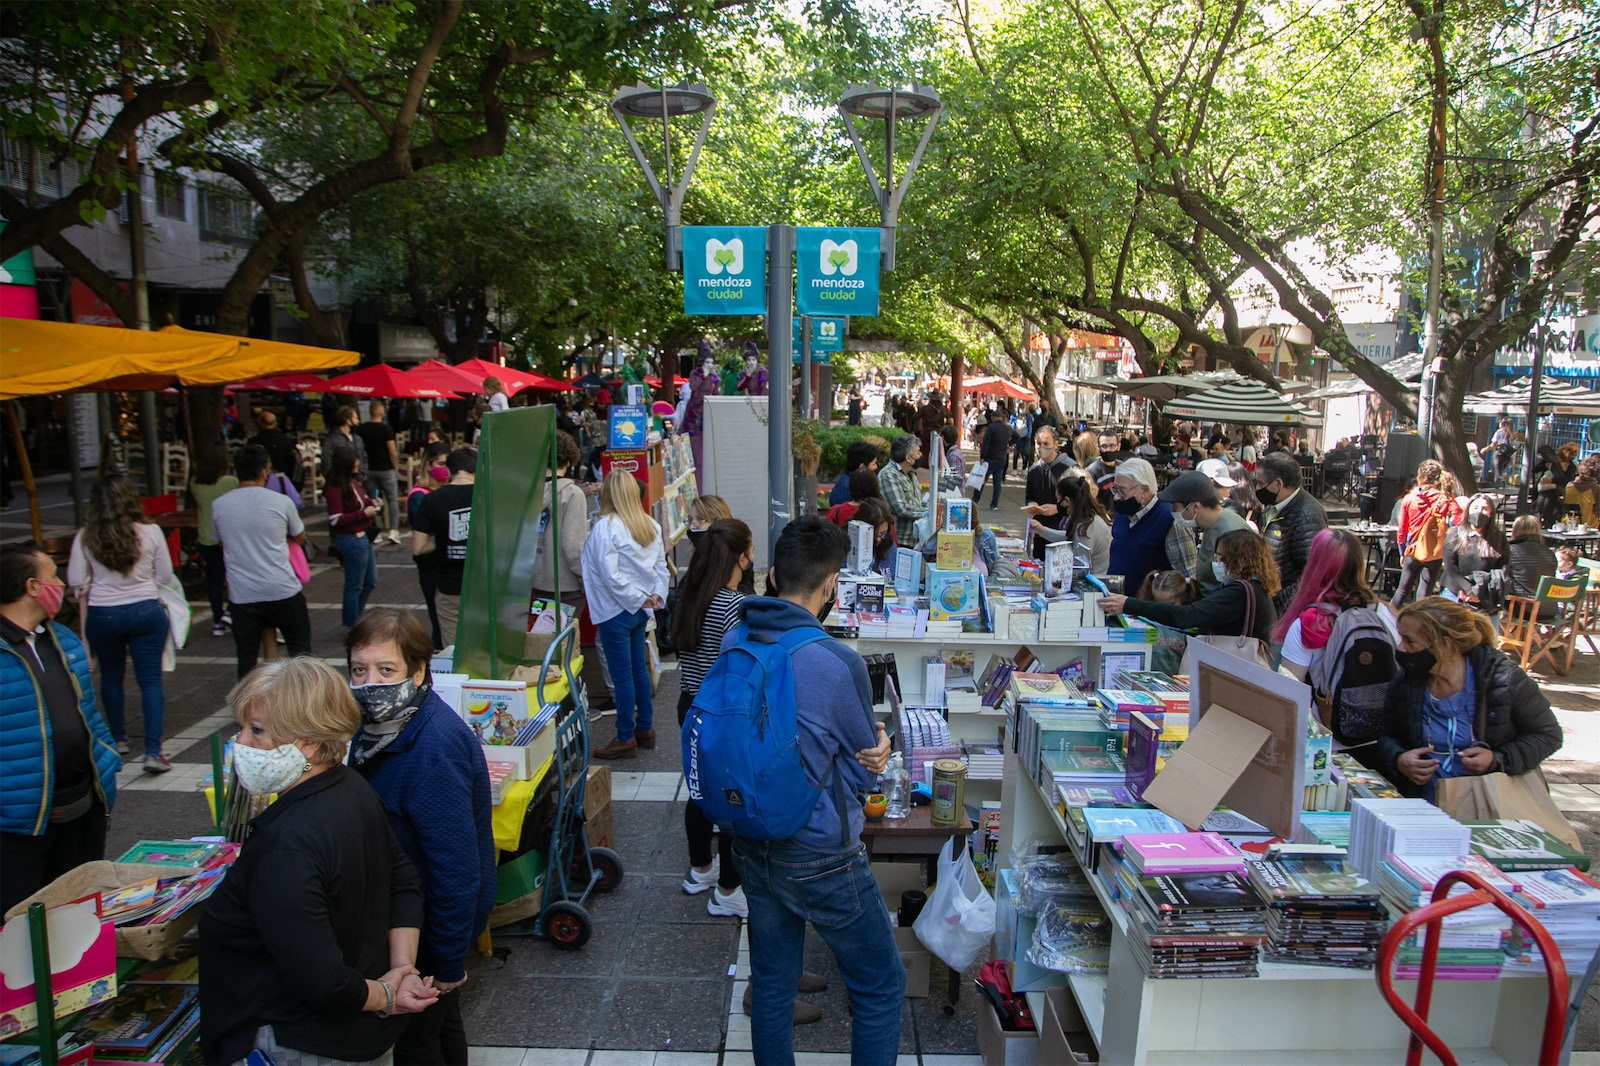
x: 835, y: 441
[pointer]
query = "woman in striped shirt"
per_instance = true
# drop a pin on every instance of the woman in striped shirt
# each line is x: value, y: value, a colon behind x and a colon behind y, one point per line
x: 709, y: 605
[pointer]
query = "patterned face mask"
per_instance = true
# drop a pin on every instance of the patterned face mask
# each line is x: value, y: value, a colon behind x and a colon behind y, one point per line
x: 263, y: 771
x: 381, y: 703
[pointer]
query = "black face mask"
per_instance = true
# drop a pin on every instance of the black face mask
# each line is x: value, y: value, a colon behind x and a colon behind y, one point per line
x: 1482, y: 520
x: 1108, y: 458
x: 1267, y: 497
x: 827, y: 609
x: 695, y: 535
x: 1416, y: 664
x: 1129, y: 506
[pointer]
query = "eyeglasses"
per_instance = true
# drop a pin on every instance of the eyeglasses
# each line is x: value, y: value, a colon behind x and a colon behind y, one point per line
x: 1121, y: 493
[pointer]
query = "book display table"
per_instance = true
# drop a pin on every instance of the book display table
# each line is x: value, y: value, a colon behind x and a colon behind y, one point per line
x: 1298, y: 1014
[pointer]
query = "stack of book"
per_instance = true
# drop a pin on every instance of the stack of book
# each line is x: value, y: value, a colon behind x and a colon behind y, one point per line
x: 145, y: 1023
x: 1325, y: 827
x: 1567, y: 904
x: 1180, y: 853
x: 1117, y: 706
x: 1082, y: 768
x: 1360, y: 782
x: 1320, y: 912
x: 1472, y: 942
x: 1166, y: 688
x: 1193, y: 925
x: 158, y: 899
x: 985, y: 762
x: 1409, y: 828
x: 1522, y: 845
x: 1102, y: 829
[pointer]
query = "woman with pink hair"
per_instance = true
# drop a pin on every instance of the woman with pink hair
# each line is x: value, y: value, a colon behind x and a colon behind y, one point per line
x: 1335, y: 580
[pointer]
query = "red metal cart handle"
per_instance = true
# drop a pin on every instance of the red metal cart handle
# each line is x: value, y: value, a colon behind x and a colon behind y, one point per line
x: 1433, y: 916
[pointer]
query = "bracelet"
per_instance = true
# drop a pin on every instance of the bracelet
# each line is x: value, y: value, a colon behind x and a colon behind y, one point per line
x: 388, y: 998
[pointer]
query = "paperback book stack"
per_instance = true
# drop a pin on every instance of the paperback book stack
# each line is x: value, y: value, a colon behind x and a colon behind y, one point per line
x: 1471, y: 942
x: 1208, y: 924
x: 1325, y: 827
x: 1096, y: 831
x: 145, y: 1023
x: 1520, y: 845
x: 1319, y: 912
x: 1567, y: 904
x: 1118, y: 705
x: 1409, y: 828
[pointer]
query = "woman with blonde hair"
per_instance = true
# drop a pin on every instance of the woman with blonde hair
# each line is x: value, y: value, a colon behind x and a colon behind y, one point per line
x: 308, y: 946
x: 625, y: 575
x: 1459, y: 707
x: 1086, y: 447
x: 1528, y: 559
x: 122, y: 559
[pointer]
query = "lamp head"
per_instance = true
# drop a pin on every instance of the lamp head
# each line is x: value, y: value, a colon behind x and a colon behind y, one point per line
x: 643, y: 101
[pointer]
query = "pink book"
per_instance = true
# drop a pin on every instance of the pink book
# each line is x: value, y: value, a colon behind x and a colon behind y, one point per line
x: 1165, y: 853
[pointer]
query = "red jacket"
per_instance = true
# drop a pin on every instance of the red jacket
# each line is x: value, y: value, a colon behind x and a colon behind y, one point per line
x: 1421, y: 503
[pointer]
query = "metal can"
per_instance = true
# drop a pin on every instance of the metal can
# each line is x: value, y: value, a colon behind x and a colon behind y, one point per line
x: 949, y: 787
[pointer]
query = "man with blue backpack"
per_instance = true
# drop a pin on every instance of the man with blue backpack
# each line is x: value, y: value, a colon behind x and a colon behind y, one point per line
x: 784, y: 774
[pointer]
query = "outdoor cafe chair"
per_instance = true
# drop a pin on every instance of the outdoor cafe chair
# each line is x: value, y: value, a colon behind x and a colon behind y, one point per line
x: 1533, y: 638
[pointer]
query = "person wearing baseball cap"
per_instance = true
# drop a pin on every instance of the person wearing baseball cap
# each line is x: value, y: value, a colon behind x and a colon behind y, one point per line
x: 1144, y: 536
x: 1197, y: 505
x: 1217, y: 471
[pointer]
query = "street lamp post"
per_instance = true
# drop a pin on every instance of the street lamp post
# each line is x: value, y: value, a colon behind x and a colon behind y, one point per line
x: 643, y: 101
x: 890, y: 105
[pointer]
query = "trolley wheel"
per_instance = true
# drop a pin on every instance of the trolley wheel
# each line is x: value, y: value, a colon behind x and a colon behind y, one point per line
x: 609, y: 865
x: 567, y: 925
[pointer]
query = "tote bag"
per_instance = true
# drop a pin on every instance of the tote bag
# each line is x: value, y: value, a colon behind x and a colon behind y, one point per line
x: 1247, y: 648
x: 1498, y: 795
x: 979, y: 474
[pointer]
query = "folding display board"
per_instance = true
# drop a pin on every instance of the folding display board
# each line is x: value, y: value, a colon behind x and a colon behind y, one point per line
x: 516, y: 454
x: 734, y: 457
x: 1271, y: 789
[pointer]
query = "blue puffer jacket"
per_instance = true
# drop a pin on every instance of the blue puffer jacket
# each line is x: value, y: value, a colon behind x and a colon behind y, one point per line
x: 28, y: 780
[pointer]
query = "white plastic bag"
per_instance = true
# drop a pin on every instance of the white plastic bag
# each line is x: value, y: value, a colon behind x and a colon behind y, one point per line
x: 979, y: 474
x: 958, y: 919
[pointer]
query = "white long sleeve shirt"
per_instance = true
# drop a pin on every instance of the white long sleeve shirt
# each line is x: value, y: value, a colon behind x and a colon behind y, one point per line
x: 619, y: 573
x: 107, y: 587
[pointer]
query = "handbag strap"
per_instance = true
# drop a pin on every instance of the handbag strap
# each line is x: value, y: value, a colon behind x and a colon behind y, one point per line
x: 1249, y: 629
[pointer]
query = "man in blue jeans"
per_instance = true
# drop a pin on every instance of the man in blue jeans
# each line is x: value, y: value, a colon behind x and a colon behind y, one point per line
x: 820, y: 875
x: 994, y: 448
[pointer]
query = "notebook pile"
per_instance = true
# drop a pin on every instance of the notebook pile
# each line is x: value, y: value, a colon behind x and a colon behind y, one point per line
x: 1319, y: 912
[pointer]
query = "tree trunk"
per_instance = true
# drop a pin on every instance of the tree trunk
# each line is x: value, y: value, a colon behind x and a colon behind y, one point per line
x: 1449, y: 442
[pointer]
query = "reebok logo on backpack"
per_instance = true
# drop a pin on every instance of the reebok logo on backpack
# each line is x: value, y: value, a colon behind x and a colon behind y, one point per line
x: 741, y: 750
x: 1351, y: 678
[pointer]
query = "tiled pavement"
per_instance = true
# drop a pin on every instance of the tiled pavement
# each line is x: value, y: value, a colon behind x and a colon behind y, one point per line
x: 653, y: 985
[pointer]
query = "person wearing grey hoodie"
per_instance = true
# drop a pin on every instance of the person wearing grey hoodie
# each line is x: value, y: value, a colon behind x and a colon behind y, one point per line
x: 820, y: 874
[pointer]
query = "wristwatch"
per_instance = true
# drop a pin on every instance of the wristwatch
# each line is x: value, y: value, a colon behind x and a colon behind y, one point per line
x: 388, y: 998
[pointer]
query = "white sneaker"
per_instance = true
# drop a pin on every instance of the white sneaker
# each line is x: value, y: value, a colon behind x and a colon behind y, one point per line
x: 695, y: 882
x: 732, y: 905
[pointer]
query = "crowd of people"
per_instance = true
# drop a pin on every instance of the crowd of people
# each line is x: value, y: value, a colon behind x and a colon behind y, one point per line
x: 360, y: 889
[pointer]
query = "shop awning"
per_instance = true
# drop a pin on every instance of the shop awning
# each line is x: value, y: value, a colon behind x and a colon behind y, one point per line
x: 40, y: 358
x: 1245, y: 403
x: 1556, y: 396
x: 995, y: 386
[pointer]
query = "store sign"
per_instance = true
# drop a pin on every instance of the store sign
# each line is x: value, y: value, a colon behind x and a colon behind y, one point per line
x: 1372, y: 340
x: 836, y: 271
x: 827, y: 337
x: 724, y: 270
x: 1570, y: 344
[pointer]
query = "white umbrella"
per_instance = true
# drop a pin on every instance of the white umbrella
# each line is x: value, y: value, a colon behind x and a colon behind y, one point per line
x: 1556, y: 396
x: 1245, y: 402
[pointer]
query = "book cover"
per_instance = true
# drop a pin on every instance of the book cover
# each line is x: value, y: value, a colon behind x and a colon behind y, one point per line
x: 1044, y: 688
x: 495, y: 710
x: 1181, y: 852
x: 869, y: 599
x: 1143, y: 753
x: 1056, y: 580
x: 958, y: 516
x: 1183, y: 893
x: 169, y: 853
x: 1112, y: 824
x: 628, y: 426
x: 953, y: 551
x: 85, y: 949
x: 860, y: 558
x: 1096, y: 796
x: 139, y: 1019
x: 1311, y: 880
x: 1546, y: 889
x: 1522, y: 845
x: 952, y: 594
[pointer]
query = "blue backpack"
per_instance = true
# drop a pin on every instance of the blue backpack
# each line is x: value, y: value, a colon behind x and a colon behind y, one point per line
x: 741, y: 753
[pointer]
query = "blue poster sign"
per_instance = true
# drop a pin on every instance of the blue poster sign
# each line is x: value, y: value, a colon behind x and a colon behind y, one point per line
x: 724, y: 270
x: 836, y: 271
x: 629, y: 426
x: 827, y: 337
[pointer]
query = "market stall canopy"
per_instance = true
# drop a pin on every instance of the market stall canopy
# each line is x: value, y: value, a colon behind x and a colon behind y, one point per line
x: 1166, y: 387
x: 1556, y: 396
x: 1350, y: 387
x: 514, y: 380
x: 542, y: 381
x: 1000, y: 387
x: 1243, y: 402
x: 383, y: 380
x: 442, y: 375
x: 305, y: 382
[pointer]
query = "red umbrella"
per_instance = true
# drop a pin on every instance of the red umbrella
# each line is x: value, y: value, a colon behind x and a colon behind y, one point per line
x: 513, y: 380
x: 541, y: 381
x: 444, y: 376
x: 301, y: 382
x: 383, y: 380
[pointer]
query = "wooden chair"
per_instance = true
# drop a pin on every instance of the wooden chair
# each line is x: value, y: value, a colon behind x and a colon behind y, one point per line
x: 1534, y: 638
x: 1588, y: 625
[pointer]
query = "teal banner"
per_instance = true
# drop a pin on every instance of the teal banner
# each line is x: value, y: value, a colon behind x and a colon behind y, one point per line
x: 836, y: 271
x: 827, y: 337
x: 724, y: 270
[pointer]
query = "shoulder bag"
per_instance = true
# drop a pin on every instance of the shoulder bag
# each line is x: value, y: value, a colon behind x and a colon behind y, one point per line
x: 1244, y: 646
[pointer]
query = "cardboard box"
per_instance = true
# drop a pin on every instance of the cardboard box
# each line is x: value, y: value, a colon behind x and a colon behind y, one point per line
x: 597, y: 788
x: 1064, y: 1038
x: 597, y: 826
x: 1004, y: 1047
x: 917, y: 960
x: 133, y: 941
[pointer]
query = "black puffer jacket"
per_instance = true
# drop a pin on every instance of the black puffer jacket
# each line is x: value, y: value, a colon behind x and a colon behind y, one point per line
x: 1530, y: 559
x: 1289, y: 533
x: 1513, y: 718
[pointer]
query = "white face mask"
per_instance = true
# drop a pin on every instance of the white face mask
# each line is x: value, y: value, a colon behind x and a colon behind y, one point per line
x: 1219, y: 570
x: 263, y: 771
x: 1186, y: 523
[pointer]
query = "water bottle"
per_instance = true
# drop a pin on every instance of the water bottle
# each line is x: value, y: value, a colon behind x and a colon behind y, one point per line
x: 897, y: 786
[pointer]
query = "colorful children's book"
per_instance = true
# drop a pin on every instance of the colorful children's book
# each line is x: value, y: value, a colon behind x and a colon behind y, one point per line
x: 953, y: 594
x: 169, y: 853
x: 83, y: 946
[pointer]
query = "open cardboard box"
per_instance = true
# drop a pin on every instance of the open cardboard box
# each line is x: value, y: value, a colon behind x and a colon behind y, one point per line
x: 133, y: 941
x: 918, y: 962
x: 1006, y: 1047
x: 1064, y: 1038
